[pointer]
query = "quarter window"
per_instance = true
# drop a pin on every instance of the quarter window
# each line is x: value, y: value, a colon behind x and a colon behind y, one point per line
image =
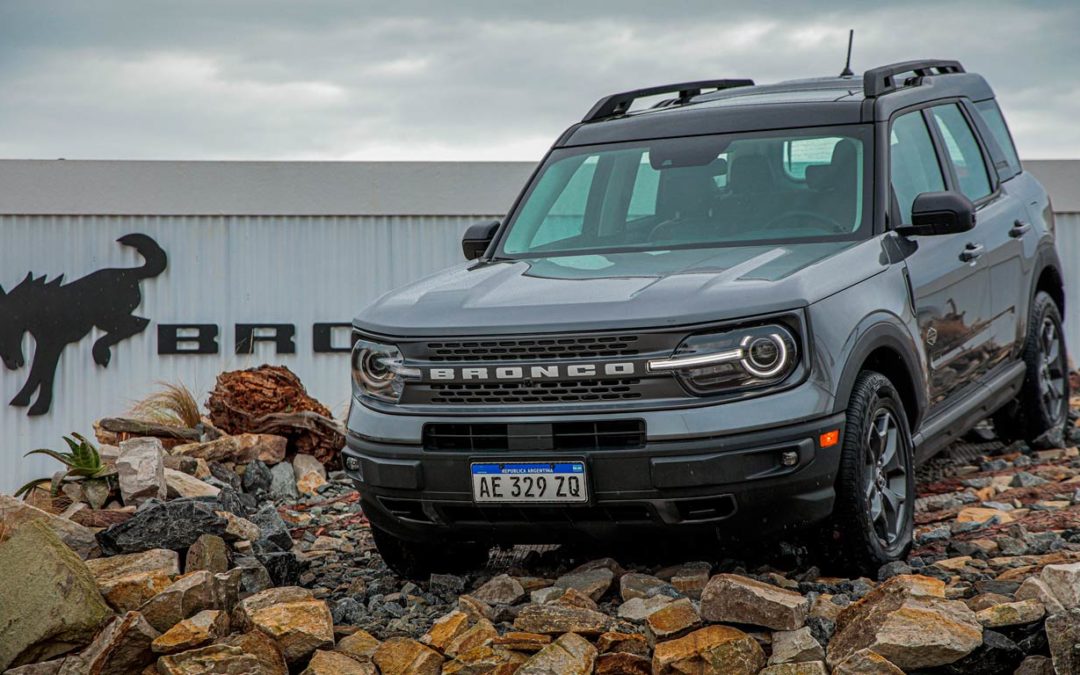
x: 963, y: 150
x: 914, y: 167
x: 991, y: 114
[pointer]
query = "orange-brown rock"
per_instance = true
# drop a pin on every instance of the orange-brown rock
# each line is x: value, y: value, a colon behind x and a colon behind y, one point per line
x: 630, y: 643
x: 673, y: 620
x: 713, y: 650
x: 128, y: 581
x: 570, y: 654
x: 405, y: 656
x: 258, y: 644
x: 909, y: 623
x: 361, y: 645
x: 196, y: 631
x: 522, y: 642
x: 622, y: 663
x: 212, y: 660
x: 335, y: 663
x: 558, y: 619
x: 866, y: 662
x: 478, y: 635
x: 445, y: 630
x: 485, y: 661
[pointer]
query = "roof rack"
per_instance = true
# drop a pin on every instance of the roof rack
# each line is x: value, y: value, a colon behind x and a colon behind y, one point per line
x: 618, y: 104
x: 882, y: 80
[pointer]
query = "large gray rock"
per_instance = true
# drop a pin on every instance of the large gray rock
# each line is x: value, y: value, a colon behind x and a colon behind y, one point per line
x: 730, y: 598
x: 49, y: 602
x: 173, y: 525
x: 1063, y: 581
x: 500, y: 590
x: 15, y: 513
x: 909, y: 622
x: 1063, y: 632
x: 257, y: 478
x: 283, y: 482
x: 272, y: 527
x: 140, y: 470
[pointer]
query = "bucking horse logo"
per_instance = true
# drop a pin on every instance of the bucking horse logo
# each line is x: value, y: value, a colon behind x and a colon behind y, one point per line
x: 58, y: 314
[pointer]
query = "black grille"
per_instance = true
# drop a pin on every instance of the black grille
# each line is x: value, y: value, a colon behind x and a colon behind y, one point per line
x: 537, y: 348
x: 534, y: 392
x: 603, y: 435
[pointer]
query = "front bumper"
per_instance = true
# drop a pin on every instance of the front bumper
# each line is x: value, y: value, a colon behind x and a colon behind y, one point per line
x: 731, y: 482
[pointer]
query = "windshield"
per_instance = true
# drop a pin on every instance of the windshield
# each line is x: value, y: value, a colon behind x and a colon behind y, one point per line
x: 731, y: 189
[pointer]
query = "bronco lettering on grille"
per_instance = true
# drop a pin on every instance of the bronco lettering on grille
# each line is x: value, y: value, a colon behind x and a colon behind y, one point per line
x: 525, y: 373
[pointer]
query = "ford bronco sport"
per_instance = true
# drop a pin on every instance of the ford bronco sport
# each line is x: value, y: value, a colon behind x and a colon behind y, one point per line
x: 744, y: 307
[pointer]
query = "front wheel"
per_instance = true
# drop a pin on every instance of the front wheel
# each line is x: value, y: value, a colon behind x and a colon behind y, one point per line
x: 873, y: 517
x: 418, y: 560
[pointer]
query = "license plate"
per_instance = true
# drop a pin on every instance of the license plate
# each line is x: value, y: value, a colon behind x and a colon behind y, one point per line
x: 526, y: 482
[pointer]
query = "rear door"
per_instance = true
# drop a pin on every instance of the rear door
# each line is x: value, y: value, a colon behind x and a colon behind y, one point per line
x: 949, y: 278
x: 1000, y: 219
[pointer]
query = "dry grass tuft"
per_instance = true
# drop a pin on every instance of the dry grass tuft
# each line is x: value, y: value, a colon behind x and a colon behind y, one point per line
x: 173, y: 405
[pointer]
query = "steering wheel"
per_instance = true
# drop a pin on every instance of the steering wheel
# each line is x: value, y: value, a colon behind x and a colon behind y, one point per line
x: 812, y: 215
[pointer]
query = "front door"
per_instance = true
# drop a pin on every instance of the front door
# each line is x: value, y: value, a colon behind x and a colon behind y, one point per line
x: 948, y: 273
x: 1001, y: 220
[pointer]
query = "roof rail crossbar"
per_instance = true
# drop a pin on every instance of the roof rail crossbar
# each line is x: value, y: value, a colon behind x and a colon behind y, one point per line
x: 618, y: 104
x: 882, y: 80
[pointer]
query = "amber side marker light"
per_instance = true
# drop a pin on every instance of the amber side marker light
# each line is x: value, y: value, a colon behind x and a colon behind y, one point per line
x: 829, y: 438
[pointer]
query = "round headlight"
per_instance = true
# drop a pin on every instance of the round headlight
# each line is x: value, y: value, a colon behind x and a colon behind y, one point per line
x: 766, y: 355
x: 379, y: 371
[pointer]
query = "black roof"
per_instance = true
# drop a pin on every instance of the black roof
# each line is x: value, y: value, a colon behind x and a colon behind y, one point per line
x: 741, y: 105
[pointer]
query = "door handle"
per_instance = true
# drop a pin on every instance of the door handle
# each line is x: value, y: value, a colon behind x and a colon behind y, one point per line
x: 1019, y: 229
x: 971, y: 252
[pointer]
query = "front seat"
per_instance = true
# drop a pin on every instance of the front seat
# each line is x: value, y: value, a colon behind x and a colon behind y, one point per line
x: 834, y: 186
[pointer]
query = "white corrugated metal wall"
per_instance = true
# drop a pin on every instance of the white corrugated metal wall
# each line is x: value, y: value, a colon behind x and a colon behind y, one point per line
x: 1068, y: 246
x: 221, y: 270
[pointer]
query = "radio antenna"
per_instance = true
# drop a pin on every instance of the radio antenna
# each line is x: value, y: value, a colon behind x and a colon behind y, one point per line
x: 847, y: 64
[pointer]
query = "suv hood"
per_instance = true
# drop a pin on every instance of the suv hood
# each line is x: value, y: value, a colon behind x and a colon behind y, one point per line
x: 621, y: 290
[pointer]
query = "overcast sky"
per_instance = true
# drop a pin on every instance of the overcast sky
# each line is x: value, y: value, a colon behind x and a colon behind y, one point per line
x: 459, y: 80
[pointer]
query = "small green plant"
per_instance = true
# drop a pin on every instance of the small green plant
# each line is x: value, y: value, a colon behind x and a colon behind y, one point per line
x: 173, y: 405
x: 83, y: 464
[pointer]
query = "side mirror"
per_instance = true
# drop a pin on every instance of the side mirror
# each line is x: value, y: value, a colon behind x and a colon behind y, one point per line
x: 477, y: 238
x: 940, y: 213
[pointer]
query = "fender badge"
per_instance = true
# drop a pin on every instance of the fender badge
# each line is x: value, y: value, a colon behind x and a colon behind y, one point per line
x: 931, y: 336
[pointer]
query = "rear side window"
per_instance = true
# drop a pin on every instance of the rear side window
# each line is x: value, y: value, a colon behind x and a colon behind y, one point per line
x: 914, y: 167
x: 805, y: 152
x: 963, y: 151
x: 991, y: 114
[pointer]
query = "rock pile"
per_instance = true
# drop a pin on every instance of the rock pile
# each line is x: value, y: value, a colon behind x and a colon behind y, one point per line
x: 224, y: 557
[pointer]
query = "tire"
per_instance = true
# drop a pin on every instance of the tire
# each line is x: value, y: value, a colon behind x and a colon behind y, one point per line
x: 418, y: 560
x: 1040, y: 412
x: 873, y: 516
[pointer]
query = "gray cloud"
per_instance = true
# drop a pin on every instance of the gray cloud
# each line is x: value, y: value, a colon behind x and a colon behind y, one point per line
x: 339, y: 79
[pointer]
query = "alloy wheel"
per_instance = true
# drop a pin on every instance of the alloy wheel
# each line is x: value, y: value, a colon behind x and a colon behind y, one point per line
x: 1051, y: 377
x: 886, y: 477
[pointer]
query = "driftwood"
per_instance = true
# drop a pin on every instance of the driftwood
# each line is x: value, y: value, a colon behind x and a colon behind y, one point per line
x: 272, y: 400
x: 123, y: 425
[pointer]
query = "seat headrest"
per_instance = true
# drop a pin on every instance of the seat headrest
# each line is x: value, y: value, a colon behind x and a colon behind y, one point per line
x: 750, y: 173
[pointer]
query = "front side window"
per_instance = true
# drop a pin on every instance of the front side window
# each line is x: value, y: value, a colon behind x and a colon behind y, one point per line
x: 963, y: 150
x: 913, y: 163
x: 731, y: 189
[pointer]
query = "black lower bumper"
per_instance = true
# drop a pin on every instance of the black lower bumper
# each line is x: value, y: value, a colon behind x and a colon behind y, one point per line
x: 737, y: 482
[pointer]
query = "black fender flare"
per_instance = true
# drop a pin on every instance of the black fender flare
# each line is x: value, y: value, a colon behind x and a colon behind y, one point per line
x: 892, y: 334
